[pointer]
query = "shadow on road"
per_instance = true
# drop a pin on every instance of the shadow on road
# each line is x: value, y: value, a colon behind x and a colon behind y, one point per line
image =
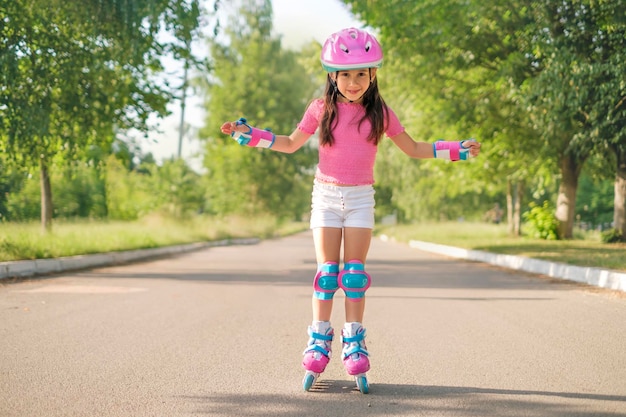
x: 340, y: 398
x: 444, y: 274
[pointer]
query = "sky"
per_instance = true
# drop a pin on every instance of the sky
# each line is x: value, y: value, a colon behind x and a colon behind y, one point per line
x: 297, y: 22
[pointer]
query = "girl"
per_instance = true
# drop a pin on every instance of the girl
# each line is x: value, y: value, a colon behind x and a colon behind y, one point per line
x: 351, y: 118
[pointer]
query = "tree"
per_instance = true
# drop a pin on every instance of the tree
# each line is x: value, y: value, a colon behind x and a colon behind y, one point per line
x: 505, y: 63
x: 255, y: 78
x: 608, y: 105
x: 71, y: 76
x: 578, y: 95
x: 458, y: 67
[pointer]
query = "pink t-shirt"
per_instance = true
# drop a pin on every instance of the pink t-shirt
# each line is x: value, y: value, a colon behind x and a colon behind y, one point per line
x: 350, y: 159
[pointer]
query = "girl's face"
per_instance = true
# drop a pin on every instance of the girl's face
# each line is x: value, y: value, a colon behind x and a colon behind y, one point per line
x: 353, y: 84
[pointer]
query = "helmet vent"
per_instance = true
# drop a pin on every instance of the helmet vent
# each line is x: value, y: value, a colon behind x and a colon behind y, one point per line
x: 368, y: 45
x: 344, y: 48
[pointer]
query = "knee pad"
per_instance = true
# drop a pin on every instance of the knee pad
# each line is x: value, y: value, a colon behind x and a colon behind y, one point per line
x: 325, y: 282
x: 354, y: 281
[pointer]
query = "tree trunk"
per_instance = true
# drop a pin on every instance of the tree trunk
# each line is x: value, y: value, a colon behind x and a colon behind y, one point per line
x: 566, y: 200
x: 514, y: 194
x: 619, y: 208
x: 509, y: 206
x: 46, y: 198
x: 517, y: 215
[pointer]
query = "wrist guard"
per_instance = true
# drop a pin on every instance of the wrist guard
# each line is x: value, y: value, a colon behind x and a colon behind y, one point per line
x: 254, y: 137
x: 452, y: 151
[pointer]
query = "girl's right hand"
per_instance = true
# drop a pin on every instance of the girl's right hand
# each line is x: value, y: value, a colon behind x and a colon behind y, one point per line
x: 228, y: 128
x: 247, y: 135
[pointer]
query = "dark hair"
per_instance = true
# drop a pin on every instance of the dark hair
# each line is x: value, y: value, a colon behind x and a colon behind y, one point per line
x: 375, y: 111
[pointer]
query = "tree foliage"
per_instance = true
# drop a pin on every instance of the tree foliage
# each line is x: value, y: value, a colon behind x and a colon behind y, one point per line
x: 576, y: 94
x: 257, y: 79
x: 541, y: 84
x: 71, y: 76
x: 528, y: 76
x: 455, y: 74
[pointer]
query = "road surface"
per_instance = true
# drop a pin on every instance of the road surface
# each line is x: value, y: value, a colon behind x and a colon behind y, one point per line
x: 220, y: 332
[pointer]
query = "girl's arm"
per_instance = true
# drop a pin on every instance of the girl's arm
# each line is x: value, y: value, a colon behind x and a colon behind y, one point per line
x: 291, y: 143
x: 251, y: 136
x: 424, y: 150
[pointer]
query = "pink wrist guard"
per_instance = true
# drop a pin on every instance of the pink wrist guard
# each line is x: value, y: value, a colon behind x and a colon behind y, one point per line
x: 256, y: 138
x: 452, y: 151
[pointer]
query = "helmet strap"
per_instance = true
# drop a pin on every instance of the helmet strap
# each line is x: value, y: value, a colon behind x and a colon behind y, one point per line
x: 334, y: 83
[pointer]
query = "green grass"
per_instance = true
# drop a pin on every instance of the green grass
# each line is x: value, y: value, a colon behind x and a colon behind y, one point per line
x: 585, y: 250
x: 26, y: 241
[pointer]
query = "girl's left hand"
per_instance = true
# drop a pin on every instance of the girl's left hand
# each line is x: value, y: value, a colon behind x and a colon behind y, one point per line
x: 472, y: 145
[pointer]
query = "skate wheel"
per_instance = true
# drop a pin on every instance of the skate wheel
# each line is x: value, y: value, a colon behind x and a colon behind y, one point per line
x: 308, y: 381
x: 362, y: 385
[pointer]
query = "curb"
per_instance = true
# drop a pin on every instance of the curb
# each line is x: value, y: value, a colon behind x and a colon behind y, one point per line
x: 603, y: 278
x: 31, y: 268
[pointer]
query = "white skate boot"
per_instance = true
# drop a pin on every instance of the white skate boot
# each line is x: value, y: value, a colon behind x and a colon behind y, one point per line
x: 355, y: 355
x: 317, y: 353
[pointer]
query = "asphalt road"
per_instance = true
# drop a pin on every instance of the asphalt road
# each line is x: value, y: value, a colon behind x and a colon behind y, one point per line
x: 220, y: 332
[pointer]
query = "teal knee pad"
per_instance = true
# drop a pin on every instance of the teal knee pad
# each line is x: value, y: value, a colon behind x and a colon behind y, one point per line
x: 325, y: 282
x: 354, y: 281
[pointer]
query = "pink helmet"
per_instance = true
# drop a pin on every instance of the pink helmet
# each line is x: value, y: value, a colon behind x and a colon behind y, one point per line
x: 351, y: 49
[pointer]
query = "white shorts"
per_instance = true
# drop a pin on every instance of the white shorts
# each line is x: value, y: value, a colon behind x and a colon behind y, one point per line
x: 339, y: 207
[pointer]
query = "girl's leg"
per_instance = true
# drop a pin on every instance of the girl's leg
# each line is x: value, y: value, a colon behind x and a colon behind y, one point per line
x: 354, y: 353
x: 318, y: 351
x: 327, y: 249
x: 356, y: 246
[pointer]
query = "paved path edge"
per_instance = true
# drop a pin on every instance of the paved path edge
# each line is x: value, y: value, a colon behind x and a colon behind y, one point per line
x: 31, y: 268
x: 604, y: 278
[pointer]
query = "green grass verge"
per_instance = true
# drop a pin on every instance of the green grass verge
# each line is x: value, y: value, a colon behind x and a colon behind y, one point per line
x: 26, y: 241
x: 585, y: 250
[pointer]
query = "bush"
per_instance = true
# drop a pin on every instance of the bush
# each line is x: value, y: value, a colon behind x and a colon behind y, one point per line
x: 541, y: 222
x: 612, y: 236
